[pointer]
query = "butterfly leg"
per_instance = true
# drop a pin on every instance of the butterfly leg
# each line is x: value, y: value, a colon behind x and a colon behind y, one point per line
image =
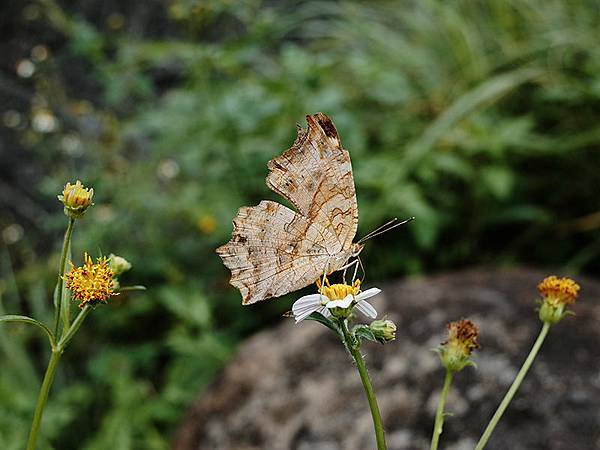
x: 325, y: 271
x: 358, y: 264
x: 362, y: 268
x: 347, y: 266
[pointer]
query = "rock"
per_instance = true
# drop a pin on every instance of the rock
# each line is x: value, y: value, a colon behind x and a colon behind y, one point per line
x: 294, y: 387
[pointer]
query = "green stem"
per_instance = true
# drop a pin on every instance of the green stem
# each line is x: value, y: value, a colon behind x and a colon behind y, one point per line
x: 42, y: 397
x: 354, y: 349
x: 66, y: 338
x: 439, y: 415
x: 49, y: 375
x: 513, y: 388
x: 61, y: 272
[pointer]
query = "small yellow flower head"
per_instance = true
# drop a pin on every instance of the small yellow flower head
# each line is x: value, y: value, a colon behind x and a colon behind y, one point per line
x: 76, y: 198
x: 462, y: 340
x: 383, y: 330
x: 338, y: 291
x: 91, y: 283
x: 118, y: 264
x: 556, y: 293
x: 558, y: 290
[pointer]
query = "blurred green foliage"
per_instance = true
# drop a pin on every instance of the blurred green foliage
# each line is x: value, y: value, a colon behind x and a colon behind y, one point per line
x: 480, y: 118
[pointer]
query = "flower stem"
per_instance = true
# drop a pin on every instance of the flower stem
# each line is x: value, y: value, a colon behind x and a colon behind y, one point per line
x: 42, y: 397
x: 59, y: 293
x: 439, y: 415
x: 57, y: 351
x: 513, y: 388
x: 354, y: 349
x: 66, y: 338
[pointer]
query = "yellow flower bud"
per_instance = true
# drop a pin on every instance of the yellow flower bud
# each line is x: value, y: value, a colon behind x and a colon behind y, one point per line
x: 76, y: 198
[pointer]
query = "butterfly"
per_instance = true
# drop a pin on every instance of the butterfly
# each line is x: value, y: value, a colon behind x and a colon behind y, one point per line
x: 275, y: 250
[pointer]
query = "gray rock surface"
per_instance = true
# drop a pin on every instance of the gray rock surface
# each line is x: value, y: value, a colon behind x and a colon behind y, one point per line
x: 294, y: 387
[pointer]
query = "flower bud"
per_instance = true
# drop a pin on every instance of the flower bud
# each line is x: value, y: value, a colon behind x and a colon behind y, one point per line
x: 118, y: 264
x: 383, y: 330
x: 462, y: 340
x: 556, y: 293
x: 76, y: 198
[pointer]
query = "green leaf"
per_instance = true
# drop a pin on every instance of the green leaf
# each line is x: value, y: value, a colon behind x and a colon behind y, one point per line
x: 498, y: 180
x: 131, y: 288
x: 318, y: 317
x: 484, y: 94
x: 364, y: 332
x: 25, y: 319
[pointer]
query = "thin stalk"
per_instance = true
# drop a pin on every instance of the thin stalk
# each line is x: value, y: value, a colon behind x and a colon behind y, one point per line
x: 439, y: 415
x: 74, y: 327
x: 49, y: 375
x: 42, y: 397
x: 513, y: 388
x: 61, y: 272
x: 354, y: 350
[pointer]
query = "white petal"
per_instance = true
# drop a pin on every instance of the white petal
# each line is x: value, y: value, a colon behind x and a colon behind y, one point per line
x: 325, y: 312
x: 367, y: 294
x: 366, y: 309
x: 304, y: 314
x: 307, y: 300
x: 344, y: 303
x: 305, y: 306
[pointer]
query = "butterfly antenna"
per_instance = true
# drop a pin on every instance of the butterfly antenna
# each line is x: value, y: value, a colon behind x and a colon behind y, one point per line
x: 385, y: 228
x: 379, y: 228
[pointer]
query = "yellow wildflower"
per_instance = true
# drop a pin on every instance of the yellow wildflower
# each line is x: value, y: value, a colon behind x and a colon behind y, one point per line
x: 557, y: 293
x: 91, y: 283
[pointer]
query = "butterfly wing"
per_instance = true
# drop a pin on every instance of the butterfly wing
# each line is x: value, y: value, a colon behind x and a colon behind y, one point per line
x: 274, y: 250
x: 315, y: 175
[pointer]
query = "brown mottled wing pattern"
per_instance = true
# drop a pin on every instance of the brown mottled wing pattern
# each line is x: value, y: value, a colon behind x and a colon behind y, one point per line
x: 274, y: 251
x: 315, y: 174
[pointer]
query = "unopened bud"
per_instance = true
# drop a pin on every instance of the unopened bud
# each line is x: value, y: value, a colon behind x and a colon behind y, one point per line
x: 383, y: 330
x: 119, y: 264
x: 76, y: 198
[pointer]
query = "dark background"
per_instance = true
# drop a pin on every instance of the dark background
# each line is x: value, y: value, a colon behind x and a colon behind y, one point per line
x: 479, y: 118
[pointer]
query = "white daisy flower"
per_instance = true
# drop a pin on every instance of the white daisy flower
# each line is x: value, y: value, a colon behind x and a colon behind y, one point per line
x: 341, y: 296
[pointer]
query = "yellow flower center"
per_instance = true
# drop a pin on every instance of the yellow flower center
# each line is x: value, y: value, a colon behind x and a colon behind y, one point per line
x: 558, y: 291
x: 338, y: 291
x: 91, y: 282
